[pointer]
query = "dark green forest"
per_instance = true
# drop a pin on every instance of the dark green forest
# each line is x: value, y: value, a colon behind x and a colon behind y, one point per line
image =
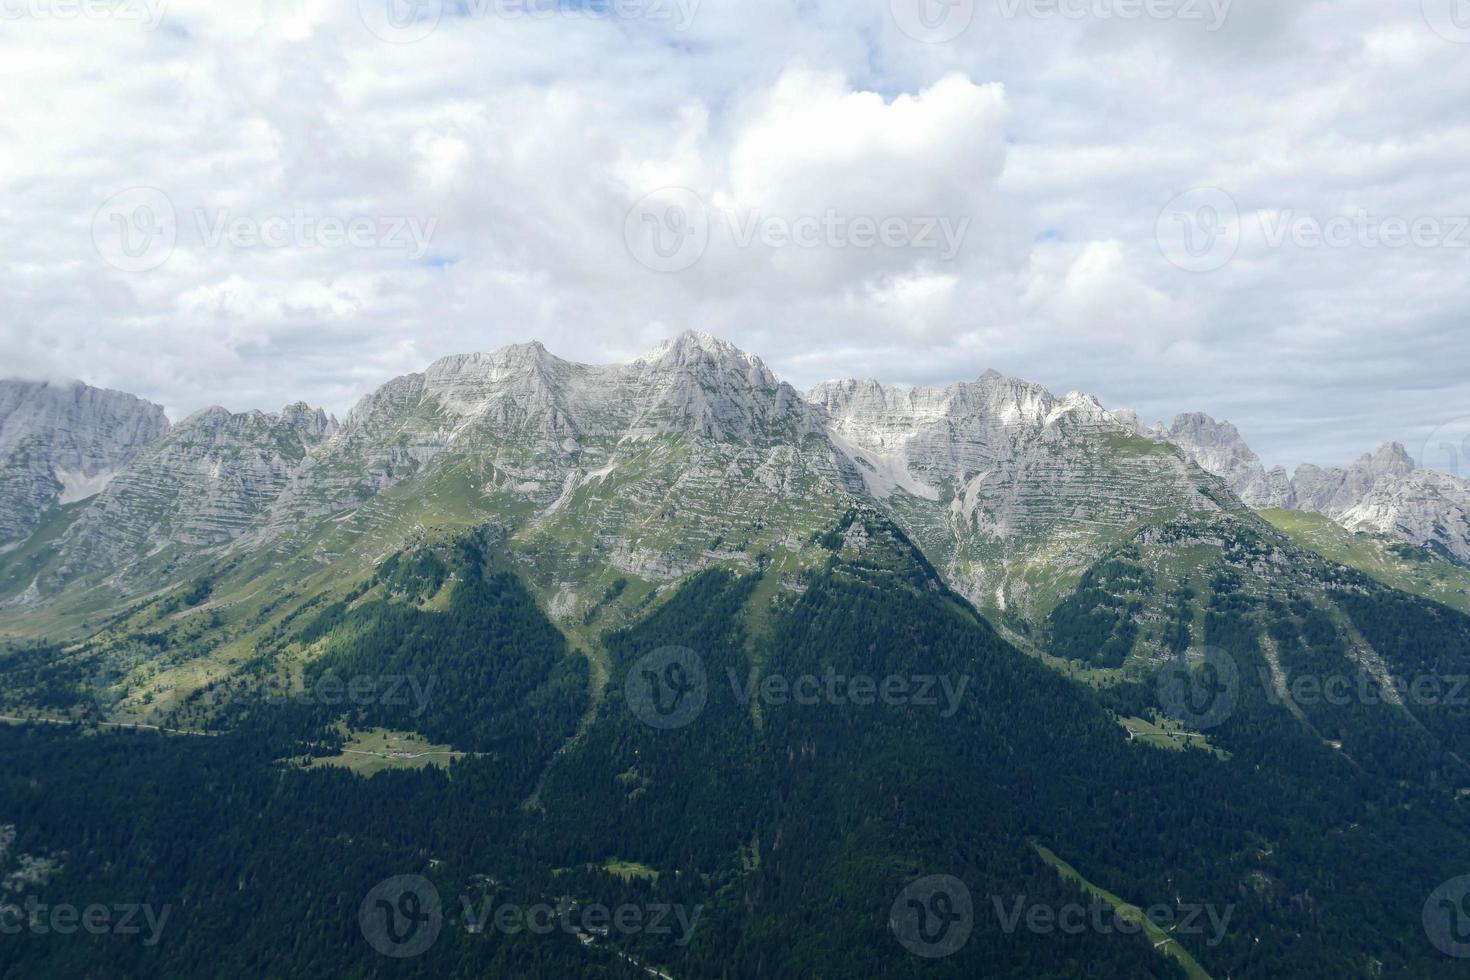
x: 791, y: 827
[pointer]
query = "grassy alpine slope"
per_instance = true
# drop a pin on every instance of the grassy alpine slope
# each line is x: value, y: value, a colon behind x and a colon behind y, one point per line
x: 1394, y: 563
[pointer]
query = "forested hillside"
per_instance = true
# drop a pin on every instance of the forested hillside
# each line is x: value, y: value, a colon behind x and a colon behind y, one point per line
x: 785, y: 761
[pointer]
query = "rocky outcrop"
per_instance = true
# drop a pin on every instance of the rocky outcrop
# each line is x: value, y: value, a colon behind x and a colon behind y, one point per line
x: 1218, y: 448
x: 205, y: 484
x: 1008, y: 488
x: 1383, y: 491
x: 1334, y: 492
x: 62, y: 443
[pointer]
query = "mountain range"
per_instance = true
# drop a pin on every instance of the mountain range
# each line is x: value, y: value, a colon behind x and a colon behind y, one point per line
x: 694, y: 454
x: 1172, y: 678
x: 1383, y: 492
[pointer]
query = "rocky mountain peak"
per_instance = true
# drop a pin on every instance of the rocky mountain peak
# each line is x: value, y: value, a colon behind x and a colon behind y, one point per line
x: 1200, y: 430
x: 1217, y: 447
x: 206, y: 483
x: 1392, y: 460
x: 1083, y: 405
x: 699, y: 353
x: 849, y: 396
x: 532, y: 356
x: 213, y: 415
x: 83, y: 415
x: 314, y: 424
x: 1133, y: 422
x: 500, y: 366
x: 216, y: 423
x: 1012, y: 401
x: 692, y: 342
x: 876, y: 416
x: 62, y: 442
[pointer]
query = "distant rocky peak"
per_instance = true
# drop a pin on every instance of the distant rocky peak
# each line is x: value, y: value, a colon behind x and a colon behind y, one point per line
x: 991, y: 398
x: 1391, y: 459
x: 505, y: 364
x: 1382, y: 491
x: 85, y: 420
x: 1010, y: 400
x: 1134, y: 422
x: 1389, y: 463
x: 1083, y: 405
x: 698, y: 353
x: 1218, y: 448
x: 522, y: 358
x: 1200, y: 430
x: 692, y: 343
x: 213, y: 415
x: 861, y: 396
x: 314, y: 424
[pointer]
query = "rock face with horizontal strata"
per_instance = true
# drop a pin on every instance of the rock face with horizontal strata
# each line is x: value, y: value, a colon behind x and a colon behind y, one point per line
x: 664, y: 464
x: 205, y: 484
x: 650, y: 468
x: 61, y: 443
x: 691, y: 454
x: 1008, y: 488
x: 544, y: 426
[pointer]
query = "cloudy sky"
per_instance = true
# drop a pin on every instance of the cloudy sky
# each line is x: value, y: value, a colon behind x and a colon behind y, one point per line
x: 1255, y: 208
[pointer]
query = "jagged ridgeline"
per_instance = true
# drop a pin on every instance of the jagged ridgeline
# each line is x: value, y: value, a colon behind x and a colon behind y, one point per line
x: 794, y: 814
x: 628, y: 477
